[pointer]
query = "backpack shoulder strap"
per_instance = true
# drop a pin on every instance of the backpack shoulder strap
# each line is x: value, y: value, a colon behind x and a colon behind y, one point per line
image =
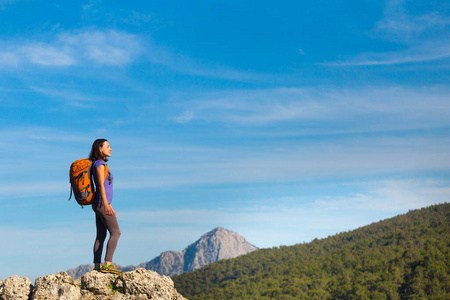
x: 91, y: 176
x: 106, y: 172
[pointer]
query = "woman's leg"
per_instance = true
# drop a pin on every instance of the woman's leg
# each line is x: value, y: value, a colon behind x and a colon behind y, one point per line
x: 101, y: 235
x: 108, y: 223
x: 114, y: 235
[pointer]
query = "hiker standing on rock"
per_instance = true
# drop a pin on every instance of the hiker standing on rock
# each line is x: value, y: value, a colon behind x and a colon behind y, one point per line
x: 105, y: 216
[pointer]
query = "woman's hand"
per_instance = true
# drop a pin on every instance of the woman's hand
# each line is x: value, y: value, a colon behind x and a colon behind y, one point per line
x: 108, y: 209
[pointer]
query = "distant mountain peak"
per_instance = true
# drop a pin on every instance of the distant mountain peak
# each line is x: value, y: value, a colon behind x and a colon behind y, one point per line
x: 217, y: 244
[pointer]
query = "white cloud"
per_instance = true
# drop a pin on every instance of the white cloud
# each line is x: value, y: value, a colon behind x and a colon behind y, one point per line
x: 399, y: 24
x: 257, y: 152
x: 181, y: 63
x: 48, y: 55
x: 185, y: 117
x: 423, y: 38
x: 108, y: 47
x: 392, y: 196
x: 288, y: 161
x: 74, y: 97
x: 356, y: 109
x: 111, y: 48
x: 38, y: 188
x: 103, y: 47
x: 9, y: 59
x: 424, y: 52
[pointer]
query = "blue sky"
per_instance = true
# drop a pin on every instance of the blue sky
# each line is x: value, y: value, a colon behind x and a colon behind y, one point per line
x: 281, y: 121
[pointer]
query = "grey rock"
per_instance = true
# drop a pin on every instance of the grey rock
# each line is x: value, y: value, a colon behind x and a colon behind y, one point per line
x: 15, y: 287
x: 98, y: 283
x: 59, y: 286
x: 134, y: 285
x: 160, y: 287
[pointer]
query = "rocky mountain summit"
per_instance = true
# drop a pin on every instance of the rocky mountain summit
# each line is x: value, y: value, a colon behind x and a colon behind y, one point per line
x: 137, y: 284
x: 215, y: 245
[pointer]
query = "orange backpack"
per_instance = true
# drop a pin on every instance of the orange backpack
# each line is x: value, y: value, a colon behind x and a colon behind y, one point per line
x: 81, y: 181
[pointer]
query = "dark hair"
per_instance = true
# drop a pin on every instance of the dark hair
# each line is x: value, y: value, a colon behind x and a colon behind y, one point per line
x: 95, y: 151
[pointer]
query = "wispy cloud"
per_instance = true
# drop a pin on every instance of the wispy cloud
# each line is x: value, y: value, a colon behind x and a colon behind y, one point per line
x: 429, y: 51
x: 401, y: 25
x: 181, y: 63
x: 422, y: 38
x: 182, y: 165
x: 48, y: 55
x: 111, y: 48
x: 288, y: 161
x: 392, y: 196
x: 74, y: 97
x: 108, y: 47
x: 9, y: 59
x: 103, y: 47
x: 13, y: 135
x: 278, y: 135
x: 398, y: 107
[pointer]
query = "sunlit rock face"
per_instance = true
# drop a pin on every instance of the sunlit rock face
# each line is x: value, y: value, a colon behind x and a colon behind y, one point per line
x: 137, y: 284
x: 215, y: 245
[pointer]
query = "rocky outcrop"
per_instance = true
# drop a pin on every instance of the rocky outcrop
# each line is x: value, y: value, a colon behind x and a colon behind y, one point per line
x: 215, y: 245
x: 137, y: 284
x: 15, y: 287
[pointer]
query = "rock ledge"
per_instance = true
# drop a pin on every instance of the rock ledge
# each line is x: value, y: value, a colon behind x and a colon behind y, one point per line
x: 137, y: 284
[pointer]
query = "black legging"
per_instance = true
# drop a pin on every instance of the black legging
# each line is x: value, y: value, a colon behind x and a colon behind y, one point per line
x: 103, y: 223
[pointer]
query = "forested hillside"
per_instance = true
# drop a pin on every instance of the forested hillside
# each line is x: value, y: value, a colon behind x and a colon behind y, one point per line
x: 406, y: 257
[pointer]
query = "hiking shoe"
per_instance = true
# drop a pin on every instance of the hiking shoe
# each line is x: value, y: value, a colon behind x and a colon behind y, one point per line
x: 110, y: 269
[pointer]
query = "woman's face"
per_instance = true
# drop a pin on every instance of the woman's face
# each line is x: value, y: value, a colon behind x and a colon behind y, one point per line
x: 105, y: 150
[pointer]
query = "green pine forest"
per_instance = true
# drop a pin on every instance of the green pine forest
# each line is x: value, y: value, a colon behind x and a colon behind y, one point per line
x: 406, y: 257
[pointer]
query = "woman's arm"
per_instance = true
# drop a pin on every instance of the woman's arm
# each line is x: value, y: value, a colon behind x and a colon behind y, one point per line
x: 101, y: 189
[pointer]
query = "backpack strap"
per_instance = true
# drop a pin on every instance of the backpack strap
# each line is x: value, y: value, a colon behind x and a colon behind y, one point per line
x: 70, y: 191
x: 106, y: 172
x: 91, y: 177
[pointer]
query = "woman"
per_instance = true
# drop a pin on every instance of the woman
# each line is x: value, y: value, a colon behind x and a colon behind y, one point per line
x: 105, y: 216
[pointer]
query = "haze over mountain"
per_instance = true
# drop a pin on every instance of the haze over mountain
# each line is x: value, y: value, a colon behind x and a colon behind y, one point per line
x: 215, y: 245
